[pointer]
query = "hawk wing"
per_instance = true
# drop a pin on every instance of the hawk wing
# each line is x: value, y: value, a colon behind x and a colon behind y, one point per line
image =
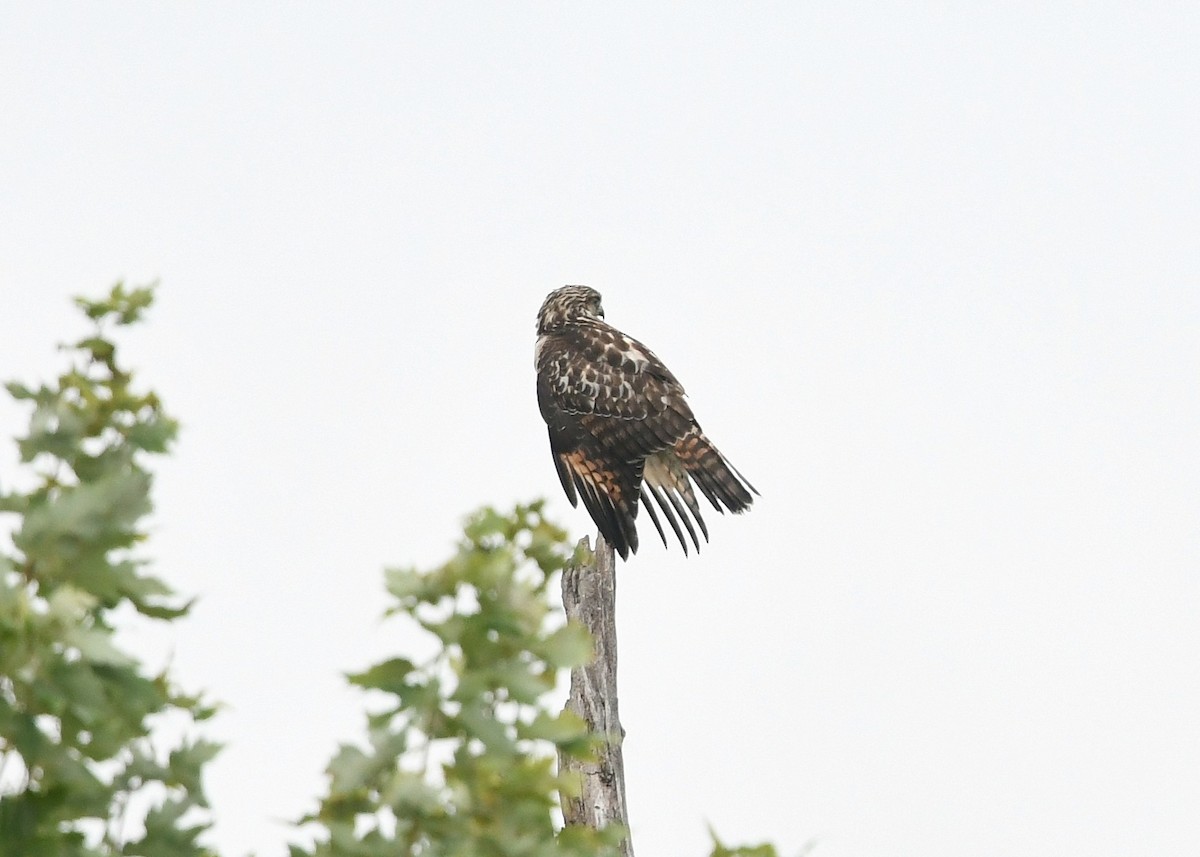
x: 609, y: 487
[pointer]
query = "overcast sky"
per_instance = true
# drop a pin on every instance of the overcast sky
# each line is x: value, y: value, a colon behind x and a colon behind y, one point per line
x: 929, y: 272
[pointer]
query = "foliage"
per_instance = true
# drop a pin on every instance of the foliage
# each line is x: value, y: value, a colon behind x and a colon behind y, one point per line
x: 722, y: 850
x: 79, y: 771
x: 460, y: 760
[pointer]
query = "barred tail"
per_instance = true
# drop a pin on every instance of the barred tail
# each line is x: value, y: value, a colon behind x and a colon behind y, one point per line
x: 716, y: 478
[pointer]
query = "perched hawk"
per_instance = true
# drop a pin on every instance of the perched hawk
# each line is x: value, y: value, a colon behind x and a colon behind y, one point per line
x: 621, y: 429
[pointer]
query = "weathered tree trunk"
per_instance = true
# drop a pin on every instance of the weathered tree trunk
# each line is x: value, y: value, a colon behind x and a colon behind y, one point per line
x: 589, y: 596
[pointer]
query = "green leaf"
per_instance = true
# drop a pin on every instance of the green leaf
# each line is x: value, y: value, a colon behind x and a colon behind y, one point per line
x: 96, y: 646
x: 405, y: 583
x: 570, y: 646
x: 409, y: 795
x: 348, y: 770
x: 721, y: 850
x: 526, y: 683
x: 419, y: 695
x: 99, y: 347
x: 56, y: 428
x: 186, y: 763
x: 69, y: 605
x: 484, y: 524
x: 168, y: 834
x: 153, y: 435
x: 478, y: 721
x: 19, y: 391
x: 563, y: 728
x: 449, y: 630
x: 102, y: 513
x: 125, y: 306
x: 390, y: 676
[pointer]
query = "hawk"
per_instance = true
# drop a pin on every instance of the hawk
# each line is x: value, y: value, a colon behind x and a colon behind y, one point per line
x: 620, y: 428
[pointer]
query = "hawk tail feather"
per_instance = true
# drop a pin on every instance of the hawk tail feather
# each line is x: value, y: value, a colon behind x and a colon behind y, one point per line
x: 669, y: 486
x: 717, y: 479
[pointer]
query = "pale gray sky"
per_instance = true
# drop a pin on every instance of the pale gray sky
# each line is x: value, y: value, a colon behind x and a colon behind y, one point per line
x: 930, y: 273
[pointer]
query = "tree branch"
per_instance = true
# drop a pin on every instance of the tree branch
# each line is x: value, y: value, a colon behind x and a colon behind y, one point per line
x: 589, y: 596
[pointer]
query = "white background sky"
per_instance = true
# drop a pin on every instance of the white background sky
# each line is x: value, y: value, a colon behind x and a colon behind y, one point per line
x: 930, y: 273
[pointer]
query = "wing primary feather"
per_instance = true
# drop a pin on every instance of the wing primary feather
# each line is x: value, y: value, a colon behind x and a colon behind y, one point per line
x: 615, y: 523
x: 565, y: 477
x: 654, y: 519
x: 665, y: 497
x: 679, y: 507
x: 656, y: 493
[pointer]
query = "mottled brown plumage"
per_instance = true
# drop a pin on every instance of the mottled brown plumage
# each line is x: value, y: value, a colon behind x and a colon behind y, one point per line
x: 621, y: 429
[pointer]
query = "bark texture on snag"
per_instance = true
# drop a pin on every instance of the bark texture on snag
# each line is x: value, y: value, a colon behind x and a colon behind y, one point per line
x: 589, y: 596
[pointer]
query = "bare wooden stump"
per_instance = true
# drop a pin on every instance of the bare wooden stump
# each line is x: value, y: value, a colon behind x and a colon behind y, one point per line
x: 589, y: 596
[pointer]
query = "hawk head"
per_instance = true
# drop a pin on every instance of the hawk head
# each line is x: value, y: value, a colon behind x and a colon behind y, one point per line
x: 566, y: 305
